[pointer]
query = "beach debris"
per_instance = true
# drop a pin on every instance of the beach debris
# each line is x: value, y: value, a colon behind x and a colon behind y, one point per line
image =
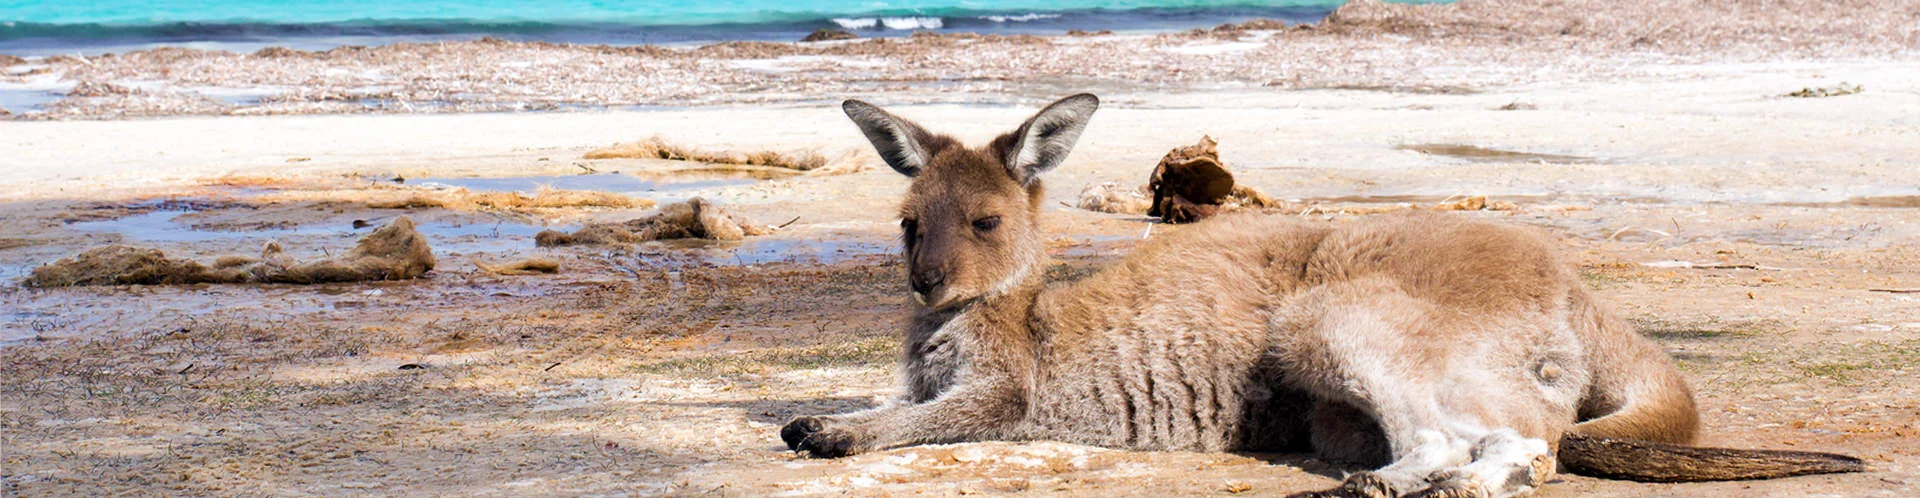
x: 544, y: 197
x: 694, y: 219
x: 1518, y: 105
x: 1843, y: 88
x: 491, y: 74
x: 1189, y: 183
x: 88, y: 88
x: 659, y: 148
x: 529, y: 266
x: 9, y: 60
x: 279, y: 52
x: 1262, y: 24
x: 1896, y: 291
x: 829, y: 34
x: 1110, y: 197
x: 394, y: 252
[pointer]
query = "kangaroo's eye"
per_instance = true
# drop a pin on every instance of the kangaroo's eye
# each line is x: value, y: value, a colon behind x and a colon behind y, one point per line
x: 986, y: 224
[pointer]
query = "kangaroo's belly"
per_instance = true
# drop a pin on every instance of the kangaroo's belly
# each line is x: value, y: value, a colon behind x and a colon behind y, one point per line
x: 1153, y: 388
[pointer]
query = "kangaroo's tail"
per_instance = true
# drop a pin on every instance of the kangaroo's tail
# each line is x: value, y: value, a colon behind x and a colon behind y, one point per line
x: 1660, y: 462
x: 1638, y: 418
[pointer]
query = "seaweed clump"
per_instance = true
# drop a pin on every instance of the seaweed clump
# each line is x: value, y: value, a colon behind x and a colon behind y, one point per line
x: 694, y: 219
x: 393, y: 252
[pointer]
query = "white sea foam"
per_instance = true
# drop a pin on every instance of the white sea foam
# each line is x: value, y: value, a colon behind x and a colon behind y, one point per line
x: 898, y: 23
x: 1027, y: 17
x: 860, y: 23
x: 912, y: 22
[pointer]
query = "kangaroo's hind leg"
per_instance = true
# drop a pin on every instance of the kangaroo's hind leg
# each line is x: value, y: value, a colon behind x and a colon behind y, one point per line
x: 1441, y: 393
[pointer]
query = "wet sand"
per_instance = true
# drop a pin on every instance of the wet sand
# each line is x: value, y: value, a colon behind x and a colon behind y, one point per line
x: 1762, y: 239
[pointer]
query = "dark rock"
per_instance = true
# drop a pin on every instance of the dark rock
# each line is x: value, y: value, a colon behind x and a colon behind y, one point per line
x: 829, y: 35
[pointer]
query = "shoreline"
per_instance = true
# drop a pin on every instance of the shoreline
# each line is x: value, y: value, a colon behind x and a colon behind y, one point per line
x: 90, y: 39
x: 1465, y: 47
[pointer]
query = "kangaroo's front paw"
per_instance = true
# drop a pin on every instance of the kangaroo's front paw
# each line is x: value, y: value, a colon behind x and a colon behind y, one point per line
x: 798, y: 430
x: 814, y: 436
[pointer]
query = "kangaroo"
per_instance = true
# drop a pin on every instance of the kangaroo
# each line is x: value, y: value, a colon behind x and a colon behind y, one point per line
x: 1458, y: 358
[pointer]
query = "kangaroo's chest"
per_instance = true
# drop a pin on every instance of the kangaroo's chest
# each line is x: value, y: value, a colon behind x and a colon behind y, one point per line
x: 934, y: 359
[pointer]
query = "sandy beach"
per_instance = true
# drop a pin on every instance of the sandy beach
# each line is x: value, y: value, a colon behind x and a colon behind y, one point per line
x: 1769, y: 242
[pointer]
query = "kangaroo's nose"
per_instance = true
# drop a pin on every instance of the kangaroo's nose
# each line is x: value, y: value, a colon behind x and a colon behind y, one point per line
x: 925, y: 281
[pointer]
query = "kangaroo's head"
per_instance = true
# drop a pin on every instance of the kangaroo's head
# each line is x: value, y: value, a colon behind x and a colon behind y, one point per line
x: 971, y: 216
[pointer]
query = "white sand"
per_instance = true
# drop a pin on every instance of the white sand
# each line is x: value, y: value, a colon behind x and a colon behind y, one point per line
x: 1718, y: 132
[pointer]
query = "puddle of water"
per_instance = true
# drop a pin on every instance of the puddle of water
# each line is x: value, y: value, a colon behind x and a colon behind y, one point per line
x: 24, y: 99
x: 652, y: 186
x: 1482, y: 154
x: 159, y: 226
x: 755, y: 251
x: 449, y: 239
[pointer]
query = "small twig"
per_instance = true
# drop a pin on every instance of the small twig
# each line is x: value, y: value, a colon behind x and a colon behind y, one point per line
x: 789, y: 222
x: 1896, y: 291
x: 584, y: 166
x: 1616, y: 233
x: 184, y: 371
x: 551, y: 367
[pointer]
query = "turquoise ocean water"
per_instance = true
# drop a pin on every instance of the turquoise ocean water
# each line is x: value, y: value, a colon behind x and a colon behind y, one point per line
x: 29, y: 26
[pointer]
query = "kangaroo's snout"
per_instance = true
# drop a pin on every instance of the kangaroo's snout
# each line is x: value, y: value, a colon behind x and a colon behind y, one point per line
x: 925, y: 281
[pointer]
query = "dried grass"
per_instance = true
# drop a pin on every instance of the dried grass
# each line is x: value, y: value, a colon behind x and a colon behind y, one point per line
x: 694, y: 219
x: 394, y: 252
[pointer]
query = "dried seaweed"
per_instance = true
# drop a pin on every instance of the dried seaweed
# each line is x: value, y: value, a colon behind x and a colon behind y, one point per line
x: 694, y: 219
x: 659, y: 148
x: 1109, y: 197
x: 529, y: 266
x: 394, y: 252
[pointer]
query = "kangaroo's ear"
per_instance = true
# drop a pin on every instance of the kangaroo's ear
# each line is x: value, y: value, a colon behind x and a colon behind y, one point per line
x: 1045, y: 139
x: 904, y: 145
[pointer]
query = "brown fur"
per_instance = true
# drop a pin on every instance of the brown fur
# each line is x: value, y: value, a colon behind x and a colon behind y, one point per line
x: 1452, y: 351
